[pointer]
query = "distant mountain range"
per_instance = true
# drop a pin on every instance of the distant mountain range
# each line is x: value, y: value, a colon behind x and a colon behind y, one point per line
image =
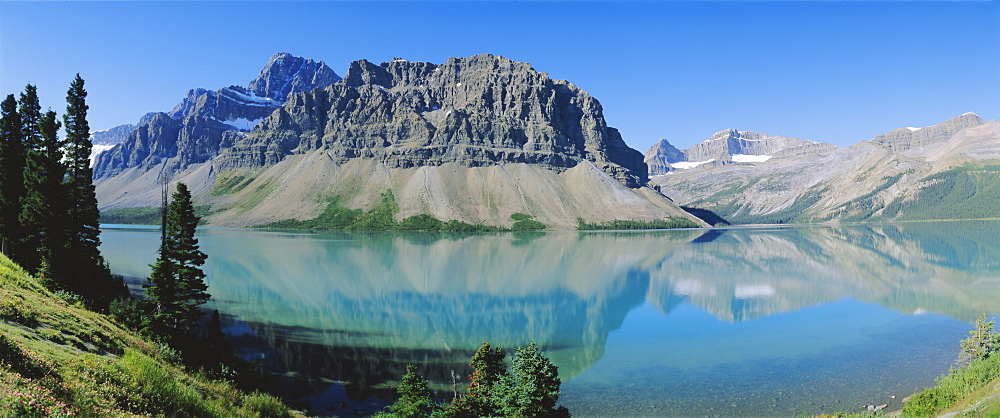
x: 474, y: 139
x: 947, y: 171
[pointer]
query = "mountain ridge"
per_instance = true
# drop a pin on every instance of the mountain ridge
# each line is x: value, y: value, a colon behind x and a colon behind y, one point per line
x: 887, y: 178
x: 473, y: 139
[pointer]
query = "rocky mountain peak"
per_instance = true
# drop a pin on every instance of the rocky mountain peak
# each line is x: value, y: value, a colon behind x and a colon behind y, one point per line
x: 286, y: 74
x: 477, y: 111
x: 903, y: 139
x: 206, y: 121
x: 730, y: 146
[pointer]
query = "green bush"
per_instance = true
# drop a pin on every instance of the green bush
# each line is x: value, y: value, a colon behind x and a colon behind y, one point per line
x: 525, y: 222
x: 263, y: 405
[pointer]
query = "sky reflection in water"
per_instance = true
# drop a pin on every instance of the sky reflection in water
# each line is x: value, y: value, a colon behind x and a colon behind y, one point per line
x: 740, y: 321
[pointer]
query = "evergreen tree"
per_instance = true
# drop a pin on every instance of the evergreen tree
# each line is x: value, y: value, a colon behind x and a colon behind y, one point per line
x: 43, y: 206
x: 176, y: 286
x: 487, y: 369
x: 531, y: 388
x: 30, y: 111
x: 92, y: 278
x: 11, y: 176
x: 414, y: 396
x: 982, y: 342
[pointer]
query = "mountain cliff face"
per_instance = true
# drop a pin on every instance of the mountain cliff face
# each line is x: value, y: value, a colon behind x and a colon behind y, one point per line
x: 476, y: 111
x: 728, y: 147
x: 908, y: 173
x: 106, y: 139
x: 206, y: 121
x: 474, y: 139
x: 904, y: 139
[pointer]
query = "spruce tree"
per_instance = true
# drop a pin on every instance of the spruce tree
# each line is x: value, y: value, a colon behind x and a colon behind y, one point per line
x: 176, y: 286
x: 11, y: 176
x: 92, y: 278
x: 414, y: 396
x: 531, y: 387
x: 43, y: 206
x: 30, y: 111
x: 487, y: 369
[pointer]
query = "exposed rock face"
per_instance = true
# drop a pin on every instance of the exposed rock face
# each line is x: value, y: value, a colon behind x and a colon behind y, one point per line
x: 475, y: 139
x: 725, y: 144
x: 112, y: 136
x: 728, y: 147
x: 903, y: 139
x: 477, y: 111
x: 285, y: 75
x: 207, y: 121
x: 660, y: 156
x: 812, y: 182
x: 108, y: 138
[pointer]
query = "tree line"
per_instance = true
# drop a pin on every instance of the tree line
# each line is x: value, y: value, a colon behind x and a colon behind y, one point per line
x: 48, y: 208
x: 528, y: 388
x: 49, y: 220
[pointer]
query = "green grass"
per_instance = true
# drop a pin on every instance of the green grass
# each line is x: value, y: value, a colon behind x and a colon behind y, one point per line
x: 382, y: 218
x: 669, y: 223
x: 57, y: 358
x: 963, y: 386
x: 143, y: 215
x: 229, y: 183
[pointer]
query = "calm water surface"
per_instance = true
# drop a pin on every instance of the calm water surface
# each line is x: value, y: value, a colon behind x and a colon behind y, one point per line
x: 739, y: 321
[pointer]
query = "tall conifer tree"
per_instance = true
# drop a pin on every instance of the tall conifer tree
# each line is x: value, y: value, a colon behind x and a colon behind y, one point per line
x: 92, y: 278
x: 11, y: 176
x: 35, y: 211
x: 43, y: 212
x: 177, y: 284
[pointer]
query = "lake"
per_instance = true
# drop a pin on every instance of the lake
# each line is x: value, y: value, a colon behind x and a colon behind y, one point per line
x: 730, y: 321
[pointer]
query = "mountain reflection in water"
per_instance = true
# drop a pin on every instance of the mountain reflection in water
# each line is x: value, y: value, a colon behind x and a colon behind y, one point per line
x: 356, y: 307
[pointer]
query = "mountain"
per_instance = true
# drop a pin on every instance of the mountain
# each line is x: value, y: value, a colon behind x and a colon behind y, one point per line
x: 728, y: 147
x: 106, y: 139
x: 946, y: 171
x: 474, y: 139
x: 204, y: 121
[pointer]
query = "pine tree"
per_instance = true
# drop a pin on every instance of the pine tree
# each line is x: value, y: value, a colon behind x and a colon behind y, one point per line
x: 531, y: 387
x: 414, y: 396
x: 176, y: 286
x: 43, y: 205
x: 30, y: 111
x: 983, y: 341
x: 92, y: 278
x: 11, y: 176
x: 487, y: 369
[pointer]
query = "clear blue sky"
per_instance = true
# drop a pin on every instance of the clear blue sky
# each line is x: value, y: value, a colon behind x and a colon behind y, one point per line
x: 840, y: 72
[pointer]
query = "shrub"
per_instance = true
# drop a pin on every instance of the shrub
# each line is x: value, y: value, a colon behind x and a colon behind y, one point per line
x: 525, y: 222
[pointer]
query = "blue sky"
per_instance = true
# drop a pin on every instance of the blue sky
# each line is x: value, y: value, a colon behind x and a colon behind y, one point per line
x: 840, y: 72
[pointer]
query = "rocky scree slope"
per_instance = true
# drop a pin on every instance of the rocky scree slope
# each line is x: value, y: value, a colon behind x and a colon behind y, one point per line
x: 936, y: 172
x: 475, y: 139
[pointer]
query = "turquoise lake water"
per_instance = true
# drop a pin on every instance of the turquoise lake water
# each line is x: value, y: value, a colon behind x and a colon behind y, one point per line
x: 735, y: 321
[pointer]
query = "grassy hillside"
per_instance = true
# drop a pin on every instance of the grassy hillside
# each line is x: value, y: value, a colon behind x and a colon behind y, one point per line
x: 57, y: 358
